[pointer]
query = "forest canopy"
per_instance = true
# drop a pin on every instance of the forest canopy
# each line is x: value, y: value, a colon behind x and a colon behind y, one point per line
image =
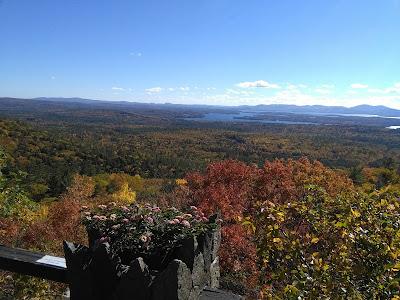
x: 308, y: 211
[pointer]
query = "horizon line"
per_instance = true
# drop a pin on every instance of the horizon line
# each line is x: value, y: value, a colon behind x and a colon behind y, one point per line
x: 188, y: 104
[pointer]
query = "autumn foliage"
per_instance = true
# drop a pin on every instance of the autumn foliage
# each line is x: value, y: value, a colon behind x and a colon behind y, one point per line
x: 292, y: 228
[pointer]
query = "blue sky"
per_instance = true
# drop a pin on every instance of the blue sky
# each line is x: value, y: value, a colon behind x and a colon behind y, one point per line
x: 337, y: 52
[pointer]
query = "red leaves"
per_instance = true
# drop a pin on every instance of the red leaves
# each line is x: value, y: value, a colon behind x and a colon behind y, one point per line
x: 224, y: 188
x: 238, y: 254
x: 237, y: 190
x: 62, y: 223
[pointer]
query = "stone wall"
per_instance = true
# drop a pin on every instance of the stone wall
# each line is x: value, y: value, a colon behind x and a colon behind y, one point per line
x: 95, y: 273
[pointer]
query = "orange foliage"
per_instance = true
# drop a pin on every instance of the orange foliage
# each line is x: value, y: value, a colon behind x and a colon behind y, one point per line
x: 224, y: 188
x: 9, y: 230
x: 238, y: 254
x: 236, y: 190
x: 63, y: 219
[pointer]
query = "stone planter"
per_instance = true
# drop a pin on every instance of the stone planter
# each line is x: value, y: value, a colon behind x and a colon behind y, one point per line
x: 96, y: 274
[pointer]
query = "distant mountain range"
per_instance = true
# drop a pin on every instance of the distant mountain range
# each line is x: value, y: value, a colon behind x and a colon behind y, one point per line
x: 379, y: 110
x: 364, y: 109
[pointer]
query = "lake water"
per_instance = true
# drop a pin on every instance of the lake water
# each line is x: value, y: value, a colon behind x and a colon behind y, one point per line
x: 241, y: 117
x: 221, y: 117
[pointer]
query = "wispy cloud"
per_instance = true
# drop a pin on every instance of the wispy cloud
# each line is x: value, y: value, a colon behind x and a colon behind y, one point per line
x: 291, y: 86
x: 137, y: 54
x: 258, y: 84
x: 359, y: 86
x: 395, y: 89
x: 325, y: 89
x: 116, y: 88
x: 327, y: 86
x: 154, y: 90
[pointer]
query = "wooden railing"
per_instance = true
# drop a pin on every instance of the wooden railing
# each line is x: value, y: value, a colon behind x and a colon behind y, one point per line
x: 33, y: 263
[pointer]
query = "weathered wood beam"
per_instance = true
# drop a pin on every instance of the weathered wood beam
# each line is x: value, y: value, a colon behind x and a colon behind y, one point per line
x: 33, y: 264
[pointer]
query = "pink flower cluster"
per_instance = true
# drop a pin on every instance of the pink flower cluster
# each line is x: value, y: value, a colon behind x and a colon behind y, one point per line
x: 118, y: 222
x: 155, y: 209
x: 101, y: 218
x: 179, y: 221
x: 146, y: 238
x: 196, y: 216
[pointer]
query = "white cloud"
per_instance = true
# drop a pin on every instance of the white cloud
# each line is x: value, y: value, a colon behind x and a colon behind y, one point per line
x: 395, y: 89
x: 328, y: 86
x: 138, y: 54
x: 238, y: 92
x: 291, y: 86
x: 359, y: 86
x: 154, y: 90
x: 115, y: 88
x: 287, y: 93
x: 352, y: 92
x: 258, y: 84
x: 322, y: 95
x: 323, y: 91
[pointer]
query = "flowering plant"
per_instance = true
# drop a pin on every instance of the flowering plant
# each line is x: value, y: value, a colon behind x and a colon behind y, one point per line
x: 144, y: 231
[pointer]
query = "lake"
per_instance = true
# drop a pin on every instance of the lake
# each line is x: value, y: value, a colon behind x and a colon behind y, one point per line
x: 241, y: 117
x: 246, y: 117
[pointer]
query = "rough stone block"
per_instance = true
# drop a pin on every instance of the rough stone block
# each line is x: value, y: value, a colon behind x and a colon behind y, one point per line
x: 135, y: 282
x: 198, y: 273
x: 104, y: 268
x: 216, y: 236
x: 80, y: 280
x: 187, y: 251
x: 174, y: 283
x: 214, y: 273
x: 195, y: 293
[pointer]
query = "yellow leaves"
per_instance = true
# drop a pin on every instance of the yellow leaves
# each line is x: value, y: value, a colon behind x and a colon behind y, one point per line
x: 280, y: 216
x: 291, y: 290
x: 355, y: 213
x: 315, y: 254
x: 180, y: 181
x: 277, y: 240
x: 396, y: 267
x: 395, y: 254
x: 125, y: 194
x: 249, y: 224
x: 315, y: 240
x: 340, y: 224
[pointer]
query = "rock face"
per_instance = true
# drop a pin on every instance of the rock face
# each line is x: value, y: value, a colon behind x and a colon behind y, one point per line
x: 174, y: 282
x: 135, y: 280
x: 95, y: 274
